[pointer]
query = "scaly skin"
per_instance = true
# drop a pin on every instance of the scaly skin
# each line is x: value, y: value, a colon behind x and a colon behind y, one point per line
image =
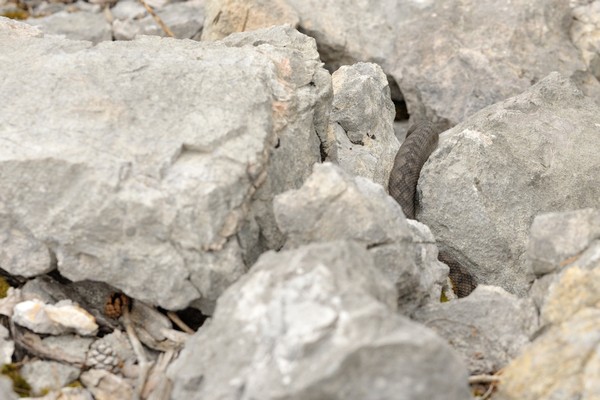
x: 421, y: 140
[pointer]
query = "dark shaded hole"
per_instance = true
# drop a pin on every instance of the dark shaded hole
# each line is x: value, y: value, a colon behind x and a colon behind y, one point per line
x: 401, y: 110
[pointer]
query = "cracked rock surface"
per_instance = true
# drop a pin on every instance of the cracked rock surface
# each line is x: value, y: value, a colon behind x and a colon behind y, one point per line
x: 138, y: 144
x: 492, y: 174
x: 333, y: 205
x: 316, y: 322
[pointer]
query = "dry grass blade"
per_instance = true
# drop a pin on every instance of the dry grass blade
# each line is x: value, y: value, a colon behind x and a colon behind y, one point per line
x: 484, y: 379
x: 177, y: 321
x: 139, y: 352
x: 158, y: 20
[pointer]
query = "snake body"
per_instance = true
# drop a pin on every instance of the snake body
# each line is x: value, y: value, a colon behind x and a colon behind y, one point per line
x: 421, y: 140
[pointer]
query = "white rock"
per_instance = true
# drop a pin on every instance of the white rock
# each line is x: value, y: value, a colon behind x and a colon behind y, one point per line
x: 105, y: 385
x: 7, y: 347
x: 7, y: 304
x: 48, y: 375
x: 64, y: 317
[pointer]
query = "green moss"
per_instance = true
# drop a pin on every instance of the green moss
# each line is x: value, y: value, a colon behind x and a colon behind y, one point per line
x: 3, y: 287
x: 20, y: 385
x: 75, y: 384
x: 443, y: 298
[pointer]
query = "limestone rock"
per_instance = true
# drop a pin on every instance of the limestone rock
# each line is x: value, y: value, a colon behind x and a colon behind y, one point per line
x: 585, y: 34
x: 492, y: 174
x: 224, y: 17
x: 150, y: 169
x: 63, y: 317
x: 361, y: 136
x: 71, y: 347
x: 7, y: 347
x: 450, y: 59
x: 48, y: 375
x: 80, y: 25
x: 20, y: 252
x: 105, y: 385
x: 313, y: 323
x: 184, y: 19
x: 559, y: 239
x: 6, y: 391
x: 333, y: 205
x: 563, y: 363
x: 488, y: 328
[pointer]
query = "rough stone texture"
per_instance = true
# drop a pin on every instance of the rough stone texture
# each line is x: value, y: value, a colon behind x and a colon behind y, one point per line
x: 563, y: 363
x: 573, y: 290
x: 13, y: 29
x: 69, y: 393
x: 6, y: 391
x: 360, y: 136
x: 585, y: 33
x: 333, y: 205
x: 105, y: 385
x: 450, y: 58
x: 71, y: 347
x: 151, y: 156
x: 48, y: 375
x: 312, y: 323
x: 80, y: 25
x: 63, y: 317
x: 7, y: 346
x: 491, y: 175
x: 224, y: 17
x: 558, y: 239
x: 20, y: 252
x: 488, y: 328
x: 185, y: 20
x: 92, y: 296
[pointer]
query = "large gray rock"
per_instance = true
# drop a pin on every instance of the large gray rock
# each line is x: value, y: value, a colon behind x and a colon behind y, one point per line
x: 315, y: 323
x: 150, y: 165
x: 488, y: 328
x: 491, y: 175
x: 450, y: 58
x: 361, y: 137
x: 79, y: 25
x: 333, y: 205
x: 566, y: 248
x: 563, y: 362
x: 559, y: 239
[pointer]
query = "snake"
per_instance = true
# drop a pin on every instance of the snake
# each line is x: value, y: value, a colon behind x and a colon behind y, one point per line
x: 421, y: 140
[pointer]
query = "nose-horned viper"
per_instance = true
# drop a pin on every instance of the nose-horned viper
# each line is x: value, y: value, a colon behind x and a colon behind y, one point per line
x: 421, y: 140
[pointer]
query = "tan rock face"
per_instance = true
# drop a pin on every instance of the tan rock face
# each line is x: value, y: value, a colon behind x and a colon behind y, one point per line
x: 561, y: 364
x: 226, y: 17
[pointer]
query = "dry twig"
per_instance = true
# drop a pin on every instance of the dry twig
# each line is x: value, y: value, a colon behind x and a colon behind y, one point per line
x: 158, y: 20
x: 140, y: 353
x: 483, y: 379
x: 177, y: 321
